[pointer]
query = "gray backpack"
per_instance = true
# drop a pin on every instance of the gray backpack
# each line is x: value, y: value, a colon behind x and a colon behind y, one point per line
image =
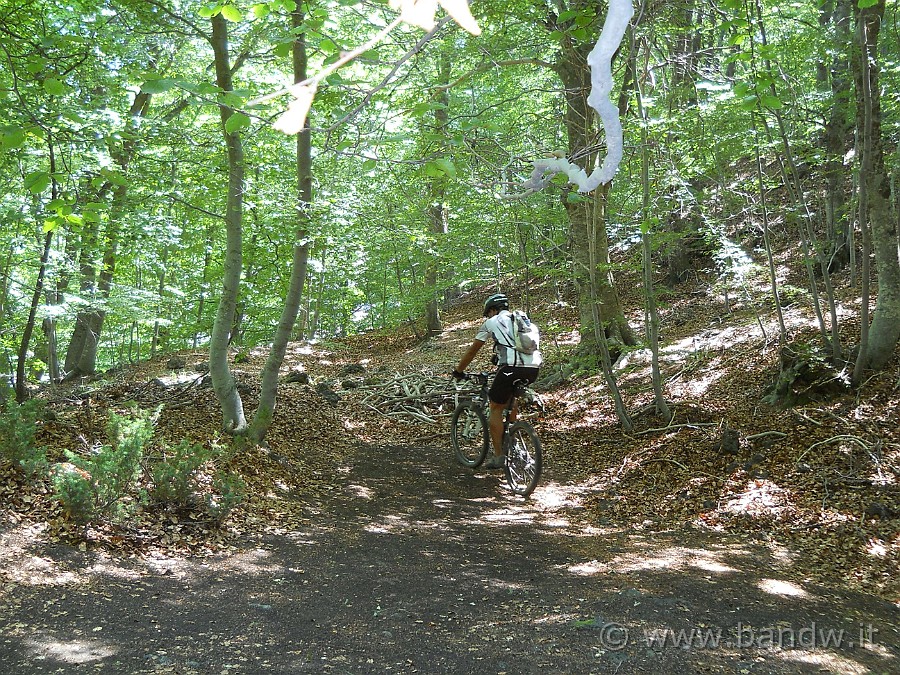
x: 526, y: 338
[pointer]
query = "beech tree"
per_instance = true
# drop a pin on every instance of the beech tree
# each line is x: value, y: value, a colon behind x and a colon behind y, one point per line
x: 878, y: 341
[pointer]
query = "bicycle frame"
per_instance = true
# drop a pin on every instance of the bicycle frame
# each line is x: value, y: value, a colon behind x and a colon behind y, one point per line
x: 471, y: 440
x: 484, y: 379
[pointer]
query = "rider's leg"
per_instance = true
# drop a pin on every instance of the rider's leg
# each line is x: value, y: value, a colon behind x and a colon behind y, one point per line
x: 496, y: 426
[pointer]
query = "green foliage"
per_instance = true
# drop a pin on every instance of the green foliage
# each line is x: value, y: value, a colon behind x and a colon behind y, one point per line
x: 228, y: 491
x: 109, y: 482
x: 103, y: 483
x: 18, y: 426
x: 119, y: 464
x: 75, y: 491
x: 175, y: 477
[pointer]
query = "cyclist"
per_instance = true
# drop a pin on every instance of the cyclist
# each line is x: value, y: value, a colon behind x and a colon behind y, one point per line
x: 512, y: 365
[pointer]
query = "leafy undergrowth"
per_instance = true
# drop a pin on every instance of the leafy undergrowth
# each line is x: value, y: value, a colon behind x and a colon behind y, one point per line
x: 818, y: 480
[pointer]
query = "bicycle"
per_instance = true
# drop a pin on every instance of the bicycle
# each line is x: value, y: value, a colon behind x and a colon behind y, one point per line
x: 471, y: 439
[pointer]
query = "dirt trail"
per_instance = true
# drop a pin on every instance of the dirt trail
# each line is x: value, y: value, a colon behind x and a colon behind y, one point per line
x: 415, y: 565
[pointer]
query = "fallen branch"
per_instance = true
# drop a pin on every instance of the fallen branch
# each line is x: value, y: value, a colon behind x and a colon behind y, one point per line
x: 663, y: 459
x: 413, y: 397
x: 691, y: 425
x: 835, y: 439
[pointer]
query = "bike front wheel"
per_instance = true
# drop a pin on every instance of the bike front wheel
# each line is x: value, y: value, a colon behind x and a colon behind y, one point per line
x: 524, y: 459
x: 469, y: 434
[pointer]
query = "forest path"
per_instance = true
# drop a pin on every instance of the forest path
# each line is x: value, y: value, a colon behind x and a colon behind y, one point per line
x: 416, y: 565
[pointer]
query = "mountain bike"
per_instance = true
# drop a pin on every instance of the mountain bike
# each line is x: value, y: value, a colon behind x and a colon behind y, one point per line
x: 471, y: 439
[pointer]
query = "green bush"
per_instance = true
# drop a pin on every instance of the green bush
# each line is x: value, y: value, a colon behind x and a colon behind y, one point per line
x: 102, y: 484
x: 75, y: 490
x: 228, y: 492
x: 176, y: 476
x: 108, y: 483
x: 117, y: 467
x: 18, y: 426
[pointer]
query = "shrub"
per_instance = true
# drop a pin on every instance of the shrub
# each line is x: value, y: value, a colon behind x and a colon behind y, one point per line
x: 106, y: 483
x: 18, y: 426
x: 75, y: 490
x: 228, y: 492
x: 176, y: 476
x: 101, y: 485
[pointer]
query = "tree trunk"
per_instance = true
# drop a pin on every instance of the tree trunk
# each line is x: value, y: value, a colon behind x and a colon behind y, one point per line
x: 437, y: 212
x: 5, y: 277
x: 28, y: 331
x: 158, y: 331
x: 201, y: 304
x: 652, y: 312
x: 81, y: 357
x: 885, y: 329
x: 582, y: 137
x: 87, y: 273
x: 232, y: 406
x: 21, y: 391
x: 265, y: 412
x: 836, y: 13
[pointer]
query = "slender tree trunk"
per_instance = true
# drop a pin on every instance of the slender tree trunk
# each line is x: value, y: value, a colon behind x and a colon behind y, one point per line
x: 161, y: 295
x: 28, y: 331
x: 204, y: 277
x: 807, y: 235
x: 265, y: 412
x: 437, y: 212
x: 48, y: 325
x: 836, y: 13
x: 320, y: 300
x: 233, y: 420
x: 652, y: 314
x: 598, y: 318
x: 884, y: 332
x: 81, y: 357
x: 4, y: 280
x: 773, y: 277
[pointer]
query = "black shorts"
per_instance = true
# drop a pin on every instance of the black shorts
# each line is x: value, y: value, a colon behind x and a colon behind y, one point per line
x: 502, y: 388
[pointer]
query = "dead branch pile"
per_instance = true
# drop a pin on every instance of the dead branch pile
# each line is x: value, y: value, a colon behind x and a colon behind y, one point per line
x: 421, y: 396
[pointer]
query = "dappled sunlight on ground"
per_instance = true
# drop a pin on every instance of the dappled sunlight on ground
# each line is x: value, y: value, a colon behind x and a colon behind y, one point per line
x: 505, y: 516
x: 759, y: 497
x: 826, y: 662
x: 361, y: 491
x: 254, y: 562
x: 676, y: 558
x: 16, y: 546
x: 74, y: 652
x: 783, y: 588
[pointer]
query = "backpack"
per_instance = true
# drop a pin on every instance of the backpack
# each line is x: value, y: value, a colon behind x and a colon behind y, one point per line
x: 526, y: 337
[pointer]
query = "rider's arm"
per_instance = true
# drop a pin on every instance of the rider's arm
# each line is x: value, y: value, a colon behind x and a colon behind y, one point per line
x: 469, y: 355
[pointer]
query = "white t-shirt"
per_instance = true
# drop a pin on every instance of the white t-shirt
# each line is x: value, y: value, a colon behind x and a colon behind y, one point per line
x: 500, y: 328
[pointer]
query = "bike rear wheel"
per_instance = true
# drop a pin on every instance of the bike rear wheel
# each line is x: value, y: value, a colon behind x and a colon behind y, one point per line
x: 524, y: 459
x: 469, y: 434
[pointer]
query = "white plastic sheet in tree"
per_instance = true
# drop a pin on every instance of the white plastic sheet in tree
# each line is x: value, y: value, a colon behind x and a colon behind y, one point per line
x: 599, y: 61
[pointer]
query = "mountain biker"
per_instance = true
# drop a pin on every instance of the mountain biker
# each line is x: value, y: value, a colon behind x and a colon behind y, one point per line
x: 511, y: 365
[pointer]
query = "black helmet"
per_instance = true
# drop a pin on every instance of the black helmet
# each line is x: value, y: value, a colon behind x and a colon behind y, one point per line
x: 497, y: 301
